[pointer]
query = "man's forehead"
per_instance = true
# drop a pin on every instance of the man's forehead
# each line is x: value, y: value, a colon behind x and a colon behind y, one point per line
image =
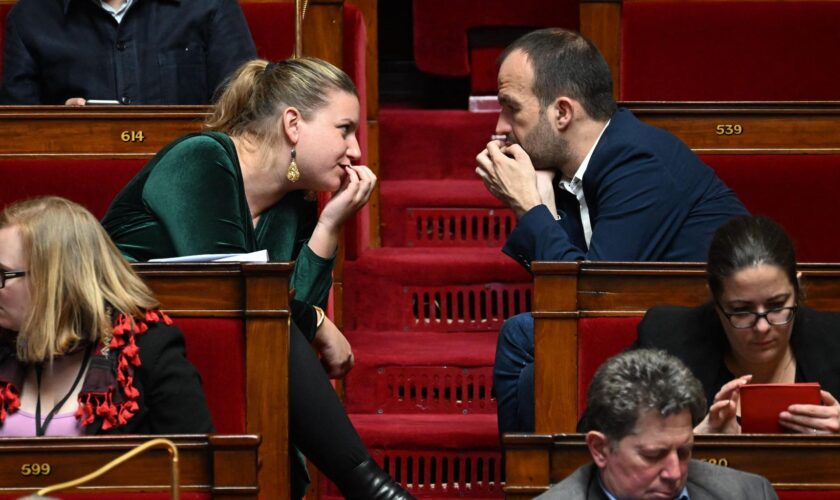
x: 652, y: 428
x: 516, y: 73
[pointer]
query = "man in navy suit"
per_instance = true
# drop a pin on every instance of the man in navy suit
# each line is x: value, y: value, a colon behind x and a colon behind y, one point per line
x: 587, y: 181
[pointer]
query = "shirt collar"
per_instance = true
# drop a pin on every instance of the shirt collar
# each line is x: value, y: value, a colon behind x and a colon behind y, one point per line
x: 578, y: 177
x: 68, y: 2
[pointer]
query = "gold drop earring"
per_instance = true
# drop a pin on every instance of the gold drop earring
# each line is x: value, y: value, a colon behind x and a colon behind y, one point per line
x: 294, y: 173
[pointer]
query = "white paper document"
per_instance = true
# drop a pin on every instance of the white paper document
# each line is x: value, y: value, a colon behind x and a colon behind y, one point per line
x: 258, y: 256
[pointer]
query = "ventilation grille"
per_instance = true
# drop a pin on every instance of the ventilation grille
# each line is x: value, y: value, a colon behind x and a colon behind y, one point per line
x: 465, y: 474
x: 434, y: 389
x: 466, y: 308
x: 458, y: 227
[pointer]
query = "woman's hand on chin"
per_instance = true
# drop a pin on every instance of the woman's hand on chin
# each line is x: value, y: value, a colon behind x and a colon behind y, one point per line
x: 813, y: 419
x: 721, y: 418
x: 354, y: 192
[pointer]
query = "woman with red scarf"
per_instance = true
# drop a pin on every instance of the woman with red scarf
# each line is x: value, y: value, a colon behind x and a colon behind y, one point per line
x: 83, y: 346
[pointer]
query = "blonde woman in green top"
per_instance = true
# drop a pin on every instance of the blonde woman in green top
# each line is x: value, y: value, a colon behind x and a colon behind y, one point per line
x: 277, y: 132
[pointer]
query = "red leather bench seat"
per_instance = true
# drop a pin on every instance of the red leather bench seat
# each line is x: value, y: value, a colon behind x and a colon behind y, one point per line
x: 678, y: 50
x: 798, y: 191
x: 441, y: 30
x: 92, y: 183
x: 599, y: 339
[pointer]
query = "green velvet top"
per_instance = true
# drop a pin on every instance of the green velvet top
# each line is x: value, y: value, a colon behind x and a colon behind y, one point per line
x: 190, y: 199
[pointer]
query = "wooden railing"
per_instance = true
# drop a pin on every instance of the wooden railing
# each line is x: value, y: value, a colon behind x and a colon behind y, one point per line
x: 564, y: 292
x: 258, y: 294
x: 790, y: 462
x: 225, y: 467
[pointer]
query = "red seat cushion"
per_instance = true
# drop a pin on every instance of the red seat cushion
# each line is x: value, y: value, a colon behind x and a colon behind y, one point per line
x: 598, y: 339
x: 216, y: 348
x: 92, y: 183
x: 797, y: 191
x: 441, y: 26
x: 272, y: 26
x: 729, y: 51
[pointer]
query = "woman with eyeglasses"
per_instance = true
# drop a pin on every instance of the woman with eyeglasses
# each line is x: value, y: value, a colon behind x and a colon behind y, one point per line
x: 83, y: 346
x: 754, y: 330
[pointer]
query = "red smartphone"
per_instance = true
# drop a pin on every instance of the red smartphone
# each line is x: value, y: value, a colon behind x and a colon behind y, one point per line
x: 762, y: 403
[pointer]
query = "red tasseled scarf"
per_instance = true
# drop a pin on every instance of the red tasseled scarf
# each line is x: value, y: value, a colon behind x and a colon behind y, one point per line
x: 9, y: 400
x: 116, y: 408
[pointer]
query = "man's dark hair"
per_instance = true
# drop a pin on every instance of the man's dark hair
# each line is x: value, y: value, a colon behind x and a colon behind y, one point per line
x: 566, y: 63
x: 638, y: 381
x: 749, y: 241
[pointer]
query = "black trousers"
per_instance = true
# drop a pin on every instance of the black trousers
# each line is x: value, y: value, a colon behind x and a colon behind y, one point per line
x: 318, y: 425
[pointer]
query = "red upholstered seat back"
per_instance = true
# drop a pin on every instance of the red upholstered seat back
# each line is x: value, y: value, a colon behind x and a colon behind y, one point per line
x: 677, y: 50
x: 598, y: 339
x: 441, y: 28
x: 92, y: 183
x: 798, y: 191
x: 272, y: 26
x: 216, y: 347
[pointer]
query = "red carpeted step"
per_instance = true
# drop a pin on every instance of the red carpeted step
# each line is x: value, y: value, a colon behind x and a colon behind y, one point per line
x: 440, y: 432
x: 436, y: 456
x: 453, y: 213
x: 432, y: 144
x: 435, y: 289
x: 400, y: 372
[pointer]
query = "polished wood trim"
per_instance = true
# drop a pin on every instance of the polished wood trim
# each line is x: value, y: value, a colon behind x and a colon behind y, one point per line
x: 93, y: 132
x: 267, y: 379
x: 766, y: 127
x: 96, y: 132
x: 323, y: 31
x: 535, y: 461
x: 371, y: 17
x: 599, y: 20
x: 564, y: 292
x: 259, y: 295
x: 223, y: 465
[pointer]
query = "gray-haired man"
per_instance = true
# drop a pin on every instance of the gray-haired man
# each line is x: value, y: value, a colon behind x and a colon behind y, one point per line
x: 642, y: 407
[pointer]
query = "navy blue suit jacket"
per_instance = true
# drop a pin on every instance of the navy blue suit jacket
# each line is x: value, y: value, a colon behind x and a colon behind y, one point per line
x: 649, y: 198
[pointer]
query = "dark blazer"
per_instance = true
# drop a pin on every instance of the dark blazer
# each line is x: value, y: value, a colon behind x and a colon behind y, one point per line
x: 695, y: 335
x: 163, y: 51
x: 649, y: 198
x: 171, y: 400
x: 705, y: 482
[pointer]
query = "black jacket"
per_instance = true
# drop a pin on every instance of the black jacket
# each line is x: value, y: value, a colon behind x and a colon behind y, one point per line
x: 696, y: 336
x: 171, y: 399
x: 163, y: 51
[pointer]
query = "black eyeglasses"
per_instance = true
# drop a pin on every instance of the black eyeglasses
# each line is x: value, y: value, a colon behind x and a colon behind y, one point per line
x: 748, y: 319
x: 7, y: 275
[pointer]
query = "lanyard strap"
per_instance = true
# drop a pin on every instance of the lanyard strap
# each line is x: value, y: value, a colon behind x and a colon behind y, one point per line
x: 41, y: 429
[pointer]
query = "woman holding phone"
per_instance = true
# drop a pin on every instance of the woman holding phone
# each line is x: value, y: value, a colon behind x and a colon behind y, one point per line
x: 755, y: 329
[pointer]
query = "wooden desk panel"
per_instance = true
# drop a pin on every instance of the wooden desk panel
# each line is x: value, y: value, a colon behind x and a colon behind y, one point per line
x: 94, y: 131
x: 747, y: 127
x: 564, y: 292
x: 535, y: 461
x: 225, y: 466
x: 259, y: 294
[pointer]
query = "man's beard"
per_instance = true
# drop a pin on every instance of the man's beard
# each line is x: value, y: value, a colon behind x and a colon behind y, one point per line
x: 546, y: 150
